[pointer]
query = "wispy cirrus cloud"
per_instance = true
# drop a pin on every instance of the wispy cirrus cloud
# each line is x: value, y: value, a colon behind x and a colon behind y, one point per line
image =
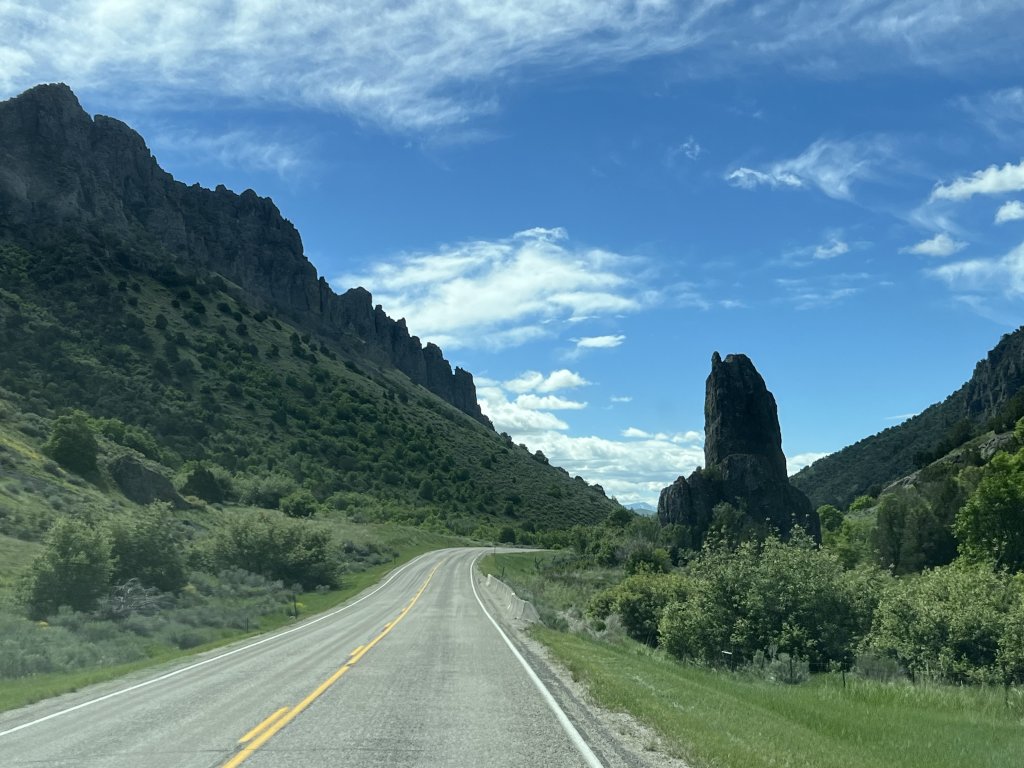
x: 428, y: 64
x: 600, y: 342
x: 504, y: 293
x: 832, y: 167
x: 1002, y: 275
x: 235, y: 149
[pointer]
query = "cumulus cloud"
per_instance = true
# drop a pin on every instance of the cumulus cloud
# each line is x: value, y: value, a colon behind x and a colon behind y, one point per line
x: 795, y: 463
x: 1012, y: 210
x: 534, y: 381
x: 990, y: 181
x: 424, y: 64
x: 940, y: 246
x: 631, y: 470
x: 503, y: 293
x: 830, y: 166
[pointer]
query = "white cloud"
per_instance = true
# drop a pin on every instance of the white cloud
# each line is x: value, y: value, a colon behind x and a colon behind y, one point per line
x: 795, y: 463
x: 243, y: 149
x: 834, y: 248
x: 503, y: 293
x: 941, y: 245
x: 621, y: 399
x: 748, y: 178
x: 634, y: 432
x: 990, y: 181
x: 599, y: 342
x: 689, y: 149
x: 1012, y: 210
x: 534, y: 381
x: 830, y: 166
x: 424, y: 64
x: 631, y: 470
x: 548, y: 403
x: 805, y: 293
x: 999, y: 275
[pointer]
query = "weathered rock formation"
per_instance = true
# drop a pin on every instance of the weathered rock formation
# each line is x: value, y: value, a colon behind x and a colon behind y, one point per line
x: 61, y: 169
x: 144, y: 484
x: 744, y: 463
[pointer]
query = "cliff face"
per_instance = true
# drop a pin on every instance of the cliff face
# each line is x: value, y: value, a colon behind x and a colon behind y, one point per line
x: 744, y: 463
x: 62, y: 171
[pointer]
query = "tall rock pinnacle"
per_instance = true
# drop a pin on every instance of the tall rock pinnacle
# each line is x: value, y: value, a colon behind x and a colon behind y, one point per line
x: 745, y: 466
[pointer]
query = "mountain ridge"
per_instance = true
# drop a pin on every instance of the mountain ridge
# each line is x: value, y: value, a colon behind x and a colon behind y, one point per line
x: 992, y: 397
x: 61, y: 168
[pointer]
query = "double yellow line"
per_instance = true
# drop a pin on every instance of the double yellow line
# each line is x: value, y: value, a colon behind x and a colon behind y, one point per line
x: 265, y: 731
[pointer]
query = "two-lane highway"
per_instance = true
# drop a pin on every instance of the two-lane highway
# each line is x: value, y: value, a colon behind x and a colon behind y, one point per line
x: 412, y: 673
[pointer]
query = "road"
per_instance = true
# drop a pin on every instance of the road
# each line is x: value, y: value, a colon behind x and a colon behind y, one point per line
x: 412, y: 673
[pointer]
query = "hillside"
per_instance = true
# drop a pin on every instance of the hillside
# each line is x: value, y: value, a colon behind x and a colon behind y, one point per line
x: 189, y: 327
x: 991, y: 399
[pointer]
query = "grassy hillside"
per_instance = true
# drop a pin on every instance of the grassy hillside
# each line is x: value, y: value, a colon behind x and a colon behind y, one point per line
x: 177, y: 367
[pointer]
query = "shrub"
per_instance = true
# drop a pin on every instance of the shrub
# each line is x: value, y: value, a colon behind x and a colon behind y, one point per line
x: 276, y: 547
x: 147, y: 547
x: 948, y: 622
x: 72, y: 443
x: 640, y: 601
x: 300, y: 503
x: 74, y: 569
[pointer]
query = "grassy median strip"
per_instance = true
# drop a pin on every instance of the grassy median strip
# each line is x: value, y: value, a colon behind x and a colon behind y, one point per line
x: 725, y: 720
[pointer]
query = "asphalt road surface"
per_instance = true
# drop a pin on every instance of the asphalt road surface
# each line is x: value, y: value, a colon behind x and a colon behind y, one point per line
x: 414, y: 672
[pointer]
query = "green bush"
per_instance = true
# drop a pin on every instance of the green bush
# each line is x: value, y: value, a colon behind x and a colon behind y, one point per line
x: 74, y: 569
x: 72, y: 443
x: 640, y: 601
x: 204, y: 481
x: 782, y: 597
x: 276, y: 547
x: 300, y: 503
x: 950, y: 622
x: 147, y: 547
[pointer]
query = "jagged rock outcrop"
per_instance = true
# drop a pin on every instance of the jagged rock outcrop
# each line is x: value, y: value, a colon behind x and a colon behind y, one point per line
x: 744, y: 463
x: 61, y: 169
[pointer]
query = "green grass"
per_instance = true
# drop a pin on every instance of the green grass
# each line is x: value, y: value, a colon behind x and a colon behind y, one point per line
x: 558, y: 584
x: 19, y: 692
x: 724, y: 720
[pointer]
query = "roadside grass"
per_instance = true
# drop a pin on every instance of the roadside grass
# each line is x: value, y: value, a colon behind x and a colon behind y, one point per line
x: 410, y: 543
x: 557, y: 583
x: 716, y: 719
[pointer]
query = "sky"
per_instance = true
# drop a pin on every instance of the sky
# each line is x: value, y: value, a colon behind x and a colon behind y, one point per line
x: 581, y: 201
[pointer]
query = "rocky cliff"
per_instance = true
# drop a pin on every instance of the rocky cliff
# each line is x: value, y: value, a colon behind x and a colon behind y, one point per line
x: 744, y: 463
x: 62, y: 171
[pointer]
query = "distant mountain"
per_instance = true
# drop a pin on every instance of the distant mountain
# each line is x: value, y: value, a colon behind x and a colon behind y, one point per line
x: 190, y: 327
x: 642, y: 507
x: 993, y: 398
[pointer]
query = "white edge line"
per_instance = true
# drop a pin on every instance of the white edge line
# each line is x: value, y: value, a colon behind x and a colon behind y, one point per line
x: 563, y: 719
x: 176, y: 672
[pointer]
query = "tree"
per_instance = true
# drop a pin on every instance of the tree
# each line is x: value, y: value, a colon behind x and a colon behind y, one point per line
x: 72, y: 443
x: 73, y: 569
x: 991, y: 524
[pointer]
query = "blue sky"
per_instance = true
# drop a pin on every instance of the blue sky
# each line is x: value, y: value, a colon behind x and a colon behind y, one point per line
x: 581, y: 201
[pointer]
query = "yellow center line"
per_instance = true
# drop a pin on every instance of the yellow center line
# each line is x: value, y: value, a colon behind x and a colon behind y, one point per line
x: 263, y: 732
x: 262, y: 726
